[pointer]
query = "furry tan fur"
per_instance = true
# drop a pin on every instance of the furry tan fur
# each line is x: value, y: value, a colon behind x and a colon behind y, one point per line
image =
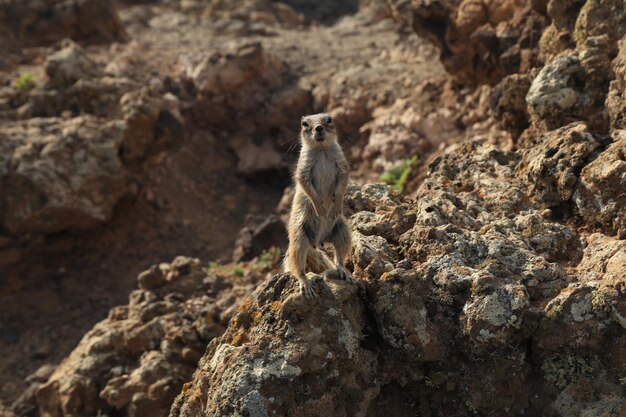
x: 316, y: 217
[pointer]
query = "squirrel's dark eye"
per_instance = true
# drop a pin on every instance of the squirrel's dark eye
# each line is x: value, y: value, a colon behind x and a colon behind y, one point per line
x: 329, y: 120
x: 305, y: 125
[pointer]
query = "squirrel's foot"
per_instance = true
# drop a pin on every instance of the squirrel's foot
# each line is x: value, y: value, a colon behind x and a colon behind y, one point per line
x: 307, y: 290
x: 345, y: 274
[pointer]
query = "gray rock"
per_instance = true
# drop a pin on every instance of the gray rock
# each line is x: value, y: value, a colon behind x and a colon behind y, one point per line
x: 63, y: 174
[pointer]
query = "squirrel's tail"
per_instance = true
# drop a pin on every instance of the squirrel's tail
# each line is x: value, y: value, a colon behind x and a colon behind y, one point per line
x: 317, y: 261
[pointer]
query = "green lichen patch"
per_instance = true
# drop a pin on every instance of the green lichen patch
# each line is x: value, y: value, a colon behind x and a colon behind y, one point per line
x: 563, y: 369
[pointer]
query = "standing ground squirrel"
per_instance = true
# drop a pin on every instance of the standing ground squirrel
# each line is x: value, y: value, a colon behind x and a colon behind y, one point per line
x: 316, y: 216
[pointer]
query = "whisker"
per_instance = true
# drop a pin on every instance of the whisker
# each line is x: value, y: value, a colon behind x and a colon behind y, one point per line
x: 288, y: 141
x: 292, y: 147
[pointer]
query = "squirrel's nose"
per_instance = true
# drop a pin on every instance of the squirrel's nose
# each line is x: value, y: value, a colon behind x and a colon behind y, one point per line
x: 319, y: 128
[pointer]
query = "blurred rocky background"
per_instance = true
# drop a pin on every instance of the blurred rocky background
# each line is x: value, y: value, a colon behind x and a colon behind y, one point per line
x: 145, y: 156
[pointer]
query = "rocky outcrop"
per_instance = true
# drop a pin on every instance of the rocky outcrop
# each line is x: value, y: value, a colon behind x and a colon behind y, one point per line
x: 468, y: 281
x: 136, y: 360
x: 263, y: 12
x: 555, y: 161
x: 249, y: 373
x: 68, y: 173
x: 68, y: 65
x: 259, y: 234
x: 246, y: 83
x: 617, y: 91
x: 400, y: 131
x: 34, y: 22
x: 508, y: 102
x: 562, y: 92
x: 600, y: 195
x: 61, y: 174
x: 479, y: 41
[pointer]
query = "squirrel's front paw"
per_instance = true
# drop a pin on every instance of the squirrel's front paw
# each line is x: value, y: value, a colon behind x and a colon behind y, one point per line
x: 345, y: 274
x: 307, y: 290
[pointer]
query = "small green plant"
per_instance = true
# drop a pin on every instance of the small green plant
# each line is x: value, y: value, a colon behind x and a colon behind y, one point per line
x: 26, y: 81
x: 622, y: 381
x: 265, y: 260
x: 269, y: 257
x: 398, y: 176
x: 101, y: 414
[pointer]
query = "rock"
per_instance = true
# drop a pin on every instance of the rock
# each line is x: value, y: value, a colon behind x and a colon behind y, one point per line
x: 353, y: 95
x: 263, y: 12
x: 151, y: 278
x: 141, y: 112
x: 135, y: 362
x: 496, y: 312
x: 508, y: 102
x: 245, y: 82
x: 401, y: 313
x: 464, y: 265
x: 479, y: 41
x: 244, y: 66
x: 68, y: 172
x: 602, y: 259
x: 259, y: 375
x: 256, y: 159
x: 552, y: 166
x: 617, y: 91
x: 75, y: 86
x: 26, y: 404
x: 574, y: 400
x: 399, y: 132
x: 62, y: 175
x: 589, y: 34
x: 259, y: 234
x: 599, y: 18
x: 69, y: 65
x: 40, y: 23
x: 496, y: 286
x: 371, y: 197
x: 551, y: 97
x: 600, y: 194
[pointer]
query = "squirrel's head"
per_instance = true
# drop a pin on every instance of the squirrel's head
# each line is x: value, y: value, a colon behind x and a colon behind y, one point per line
x: 318, y: 130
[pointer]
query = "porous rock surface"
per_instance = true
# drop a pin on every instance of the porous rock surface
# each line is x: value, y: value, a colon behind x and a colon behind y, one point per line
x: 68, y: 173
x: 282, y: 372
x: 600, y: 194
x: 135, y: 361
x: 473, y: 279
x: 60, y: 174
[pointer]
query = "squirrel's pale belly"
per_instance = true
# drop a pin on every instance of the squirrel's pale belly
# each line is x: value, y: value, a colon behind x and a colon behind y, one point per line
x: 324, y: 177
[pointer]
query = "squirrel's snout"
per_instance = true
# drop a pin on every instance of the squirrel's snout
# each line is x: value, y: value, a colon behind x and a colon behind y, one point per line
x: 320, y: 133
